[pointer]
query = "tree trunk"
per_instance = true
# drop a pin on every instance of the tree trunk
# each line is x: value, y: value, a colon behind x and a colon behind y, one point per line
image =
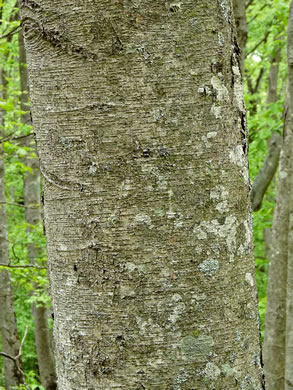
x: 273, y: 75
x: 140, y: 127
x: 275, y: 322
x: 277, y: 341
x: 33, y: 217
x: 289, y: 284
x: 267, y: 172
x: 9, y: 336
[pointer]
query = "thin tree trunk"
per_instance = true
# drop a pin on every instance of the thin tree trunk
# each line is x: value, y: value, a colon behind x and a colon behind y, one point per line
x: 289, y: 284
x: 9, y: 335
x: 33, y: 217
x: 273, y: 76
x: 267, y: 172
x: 275, y: 322
x: 140, y: 127
x: 270, y: 165
x: 278, y: 291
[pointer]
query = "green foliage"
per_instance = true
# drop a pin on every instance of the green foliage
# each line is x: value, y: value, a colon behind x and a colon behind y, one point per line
x: 32, y: 382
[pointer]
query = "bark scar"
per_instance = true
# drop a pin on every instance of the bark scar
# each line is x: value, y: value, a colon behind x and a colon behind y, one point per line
x: 34, y: 30
x: 30, y: 4
x: 62, y: 184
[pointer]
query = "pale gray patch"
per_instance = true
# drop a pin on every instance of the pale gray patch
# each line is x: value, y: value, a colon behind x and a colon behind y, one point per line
x: 249, y: 279
x: 212, y: 371
x: 209, y: 267
x: 221, y: 90
x: 93, y: 169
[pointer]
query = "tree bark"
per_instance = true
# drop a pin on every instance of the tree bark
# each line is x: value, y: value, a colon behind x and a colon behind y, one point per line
x: 140, y: 128
x: 275, y: 322
x: 8, y: 326
x: 277, y: 341
x: 289, y: 284
x: 33, y: 217
x: 239, y: 9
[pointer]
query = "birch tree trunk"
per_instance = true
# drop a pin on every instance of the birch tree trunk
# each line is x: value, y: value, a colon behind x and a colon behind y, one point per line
x: 8, y: 326
x: 32, y: 203
x: 140, y: 128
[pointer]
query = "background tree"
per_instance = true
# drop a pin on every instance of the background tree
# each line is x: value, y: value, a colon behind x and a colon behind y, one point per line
x: 14, y: 375
x: 22, y: 235
x: 265, y: 80
x: 9, y: 335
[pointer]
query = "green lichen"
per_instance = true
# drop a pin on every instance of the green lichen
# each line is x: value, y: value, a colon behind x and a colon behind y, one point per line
x: 195, y: 333
x: 194, y: 347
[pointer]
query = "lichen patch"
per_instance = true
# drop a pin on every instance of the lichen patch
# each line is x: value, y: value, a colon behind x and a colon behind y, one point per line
x: 216, y: 110
x: 209, y: 267
x: 143, y: 219
x: 221, y: 91
x: 194, y: 347
x: 249, y: 279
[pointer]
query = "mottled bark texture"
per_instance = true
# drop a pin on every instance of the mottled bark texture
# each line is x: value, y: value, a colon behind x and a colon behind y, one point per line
x: 9, y: 336
x: 32, y: 203
x: 239, y: 9
x: 140, y: 127
x: 289, y: 307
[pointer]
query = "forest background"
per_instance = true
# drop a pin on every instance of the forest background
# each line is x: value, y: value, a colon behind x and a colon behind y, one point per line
x: 265, y: 73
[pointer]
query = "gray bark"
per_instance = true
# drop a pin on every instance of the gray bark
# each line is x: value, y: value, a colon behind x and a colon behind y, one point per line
x: 140, y: 127
x: 275, y: 322
x: 239, y: 9
x: 277, y: 341
x: 268, y: 242
x: 289, y: 311
x: 33, y: 217
x: 8, y: 326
